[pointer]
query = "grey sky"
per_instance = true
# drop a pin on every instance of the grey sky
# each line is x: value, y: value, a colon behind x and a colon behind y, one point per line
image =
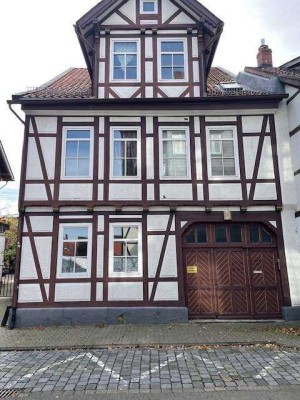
x: 38, y: 42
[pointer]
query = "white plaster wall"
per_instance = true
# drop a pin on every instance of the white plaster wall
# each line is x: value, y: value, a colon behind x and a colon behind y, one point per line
x: 41, y: 224
x: 78, y: 119
x: 169, y: 266
x: 129, y: 9
x: 149, y: 71
x: 173, y: 91
x: 30, y: 293
x: 72, y: 292
x: 200, y: 191
x: 284, y: 158
x: 101, y: 223
x: 295, y: 149
x: 181, y: 191
x: 100, y: 256
x: 252, y: 124
x: 150, y: 161
x: 150, y: 192
x: 221, y: 119
x: 43, y: 247
x: 157, y: 222
x: 250, y: 151
x: 130, y: 291
x: 292, y: 253
x: 125, y: 191
x: 33, y: 167
x: 99, y: 291
x: 46, y: 124
x: 293, y: 109
x: 166, y: 291
x: 73, y: 191
x: 101, y: 158
x: 168, y: 9
x: 265, y: 191
x: 198, y: 155
x: 297, y: 185
x: 114, y: 19
x: 35, y: 192
x: 48, y: 148
x: 266, y: 167
x: 229, y: 191
x: 154, y: 249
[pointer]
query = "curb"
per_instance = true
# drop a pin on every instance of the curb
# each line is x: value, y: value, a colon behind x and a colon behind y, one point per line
x: 146, y: 346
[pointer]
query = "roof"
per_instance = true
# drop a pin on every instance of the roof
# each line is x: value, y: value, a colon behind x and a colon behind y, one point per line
x: 5, y: 169
x: 75, y: 83
x: 284, y: 74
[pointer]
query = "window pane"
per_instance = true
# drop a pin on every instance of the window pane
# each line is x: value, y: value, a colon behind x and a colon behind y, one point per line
x: 119, y: 264
x: 71, y: 149
x: 179, y: 148
x: 131, y: 149
x: 125, y: 47
x: 178, y: 73
x: 215, y: 148
x: 81, y: 249
x: 131, y: 60
x: 132, y: 264
x: 119, y: 167
x: 254, y: 234
x: 166, y: 60
x: 166, y: 73
x: 71, y: 167
x: 131, y: 73
x: 76, y: 233
x: 78, y: 134
x: 132, y: 249
x: 172, y: 47
x: 216, y: 167
x: 181, y: 167
x: 236, y: 233
x: 228, y: 150
x: 168, y: 148
x: 81, y: 265
x: 169, y: 167
x: 119, y: 60
x: 227, y: 134
x: 68, y: 249
x: 125, y: 232
x: 220, y: 233
x: 125, y: 134
x: 119, y: 249
x: 201, y: 234
x: 190, y: 237
x: 178, y: 60
x: 265, y: 236
x: 131, y: 167
x: 119, y: 73
x: 84, y: 149
x: 119, y: 149
x: 148, y: 6
x: 67, y: 265
x: 83, y: 167
x: 229, y: 166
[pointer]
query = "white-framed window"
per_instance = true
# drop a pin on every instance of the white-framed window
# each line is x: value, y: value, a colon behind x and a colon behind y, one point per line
x: 125, y: 61
x: 172, y: 60
x: 174, y: 153
x: 125, y: 153
x: 74, y: 250
x: 222, y: 152
x: 148, y: 7
x: 125, y: 254
x: 77, y: 153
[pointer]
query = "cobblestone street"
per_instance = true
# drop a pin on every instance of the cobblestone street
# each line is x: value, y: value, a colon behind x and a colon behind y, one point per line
x: 150, y: 370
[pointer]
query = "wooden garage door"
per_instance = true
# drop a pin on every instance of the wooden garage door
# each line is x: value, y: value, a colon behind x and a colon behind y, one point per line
x: 232, y: 272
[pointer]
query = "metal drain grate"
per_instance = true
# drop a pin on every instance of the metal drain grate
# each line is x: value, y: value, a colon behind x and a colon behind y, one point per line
x: 4, y: 394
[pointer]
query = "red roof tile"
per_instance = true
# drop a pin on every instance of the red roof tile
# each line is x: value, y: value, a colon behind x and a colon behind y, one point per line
x: 75, y: 83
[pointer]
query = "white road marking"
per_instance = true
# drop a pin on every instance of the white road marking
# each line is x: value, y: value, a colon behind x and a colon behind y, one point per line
x: 265, y: 371
x: 101, y: 364
x: 157, y: 368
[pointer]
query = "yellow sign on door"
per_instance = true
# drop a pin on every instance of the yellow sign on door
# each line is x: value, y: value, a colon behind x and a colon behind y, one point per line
x: 192, y: 269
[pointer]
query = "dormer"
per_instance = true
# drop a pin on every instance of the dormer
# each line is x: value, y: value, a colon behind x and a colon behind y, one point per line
x: 149, y: 49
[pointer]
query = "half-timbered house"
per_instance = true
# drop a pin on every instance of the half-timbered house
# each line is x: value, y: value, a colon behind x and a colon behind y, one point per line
x: 154, y: 188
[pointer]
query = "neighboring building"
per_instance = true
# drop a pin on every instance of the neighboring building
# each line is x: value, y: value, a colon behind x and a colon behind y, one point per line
x: 6, y: 176
x: 154, y: 187
x: 285, y: 79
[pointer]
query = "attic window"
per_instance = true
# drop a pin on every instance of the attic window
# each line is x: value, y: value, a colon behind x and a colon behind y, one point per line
x: 228, y: 87
x: 148, y: 7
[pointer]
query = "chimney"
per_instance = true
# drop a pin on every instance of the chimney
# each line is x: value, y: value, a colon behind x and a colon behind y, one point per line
x: 264, y: 56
